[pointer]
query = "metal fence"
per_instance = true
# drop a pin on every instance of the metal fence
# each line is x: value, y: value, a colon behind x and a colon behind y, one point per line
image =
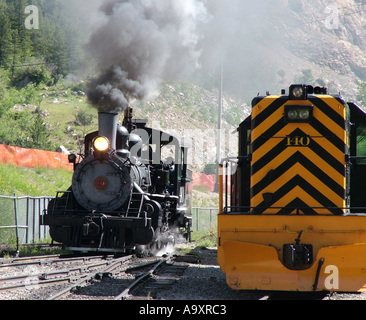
x: 204, y: 219
x: 20, y: 224
x: 19, y: 219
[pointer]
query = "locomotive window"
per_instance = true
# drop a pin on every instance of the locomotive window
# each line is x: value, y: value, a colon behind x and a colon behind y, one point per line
x: 361, y: 143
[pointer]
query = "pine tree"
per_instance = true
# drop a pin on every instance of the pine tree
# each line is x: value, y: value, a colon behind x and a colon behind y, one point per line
x: 39, y: 133
x: 50, y: 41
x: 22, y: 46
x: 5, y: 36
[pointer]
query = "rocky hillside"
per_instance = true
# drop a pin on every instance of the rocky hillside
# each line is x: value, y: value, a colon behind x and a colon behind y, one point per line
x: 330, y: 39
x: 287, y: 41
x: 190, y: 111
x: 278, y: 44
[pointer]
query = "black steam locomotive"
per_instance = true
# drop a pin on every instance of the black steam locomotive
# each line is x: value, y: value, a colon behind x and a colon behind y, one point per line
x: 123, y: 196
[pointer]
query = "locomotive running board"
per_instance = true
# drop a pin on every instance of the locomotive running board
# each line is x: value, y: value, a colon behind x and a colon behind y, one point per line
x: 257, y: 267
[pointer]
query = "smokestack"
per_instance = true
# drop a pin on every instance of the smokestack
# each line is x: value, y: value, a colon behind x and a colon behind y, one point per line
x: 107, y: 122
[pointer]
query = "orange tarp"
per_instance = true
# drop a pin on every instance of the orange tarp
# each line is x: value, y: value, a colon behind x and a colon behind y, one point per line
x: 207, y: 180
x: 32, y: 158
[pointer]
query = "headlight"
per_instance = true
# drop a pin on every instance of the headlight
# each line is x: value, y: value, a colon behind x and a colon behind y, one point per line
x: 292, y: 114
x: 298, y: 113
x: 304, y: 114
x: 101, y: 144
x: 298, y: 92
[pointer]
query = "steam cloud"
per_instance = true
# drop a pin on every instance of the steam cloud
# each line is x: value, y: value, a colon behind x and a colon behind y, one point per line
x: 140, y: 42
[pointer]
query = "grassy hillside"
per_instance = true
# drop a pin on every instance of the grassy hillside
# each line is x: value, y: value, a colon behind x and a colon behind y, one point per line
x: 33, y: 182
x: 68, y: 116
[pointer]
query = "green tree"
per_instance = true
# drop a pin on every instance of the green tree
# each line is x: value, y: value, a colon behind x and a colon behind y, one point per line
x: 39, y: 133
x: 22, y: 45
x: 57, y: 44
x: 5, y: 36
x: 51, y: 44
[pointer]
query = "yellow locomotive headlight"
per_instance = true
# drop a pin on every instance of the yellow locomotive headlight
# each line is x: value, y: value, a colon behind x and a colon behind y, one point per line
x: 304, y: 114
x: 298, y: 92
x: 298, y: 113
x: 101, y: 144
x: 292, y: 114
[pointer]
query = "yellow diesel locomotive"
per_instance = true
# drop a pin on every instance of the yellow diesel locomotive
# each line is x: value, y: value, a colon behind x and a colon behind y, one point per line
x: 293, y: 203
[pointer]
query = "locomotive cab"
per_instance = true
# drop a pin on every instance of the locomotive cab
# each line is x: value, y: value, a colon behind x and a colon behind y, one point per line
x: 292, y: 204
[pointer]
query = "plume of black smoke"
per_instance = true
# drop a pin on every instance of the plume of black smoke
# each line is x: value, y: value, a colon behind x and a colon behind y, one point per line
x: 140, y: 42
x: 113, y: 89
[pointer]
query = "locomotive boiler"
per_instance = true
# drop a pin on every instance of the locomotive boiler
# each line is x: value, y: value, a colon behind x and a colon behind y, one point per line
x: 293, y: 202
x: 124, y: 195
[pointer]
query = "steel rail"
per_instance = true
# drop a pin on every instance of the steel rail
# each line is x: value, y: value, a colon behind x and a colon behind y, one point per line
x: 147, y: 274
x: 111, y: 265
x: 48, y: 260
x: 41, y: 278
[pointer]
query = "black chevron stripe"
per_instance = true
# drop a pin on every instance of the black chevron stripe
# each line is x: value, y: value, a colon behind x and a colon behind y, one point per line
x: 256, y: 100
x: 307, y: 187
x: 328, y: 110
x: 314, y: 146
x: 265, y: 114
x: 298, y: 157
x: 269, y: 156
x: 270, y: 133
x: 297, y: 204
x: 328, y: 134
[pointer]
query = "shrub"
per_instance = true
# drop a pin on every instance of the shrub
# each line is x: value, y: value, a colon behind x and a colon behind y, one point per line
x: 34, y: 72
x: 83, y: 118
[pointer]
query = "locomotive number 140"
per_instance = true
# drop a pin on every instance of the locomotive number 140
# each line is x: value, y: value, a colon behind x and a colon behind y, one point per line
x: 297, y: 141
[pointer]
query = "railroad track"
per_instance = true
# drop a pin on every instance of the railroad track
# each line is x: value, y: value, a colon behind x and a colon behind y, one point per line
x: 85, y: 278
x: 37, y: 272
x: 73, y: 277
x: 129, y: 278
x: 125, y: 282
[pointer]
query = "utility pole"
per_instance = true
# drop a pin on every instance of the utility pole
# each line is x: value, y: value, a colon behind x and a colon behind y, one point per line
x: 219, y: 121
